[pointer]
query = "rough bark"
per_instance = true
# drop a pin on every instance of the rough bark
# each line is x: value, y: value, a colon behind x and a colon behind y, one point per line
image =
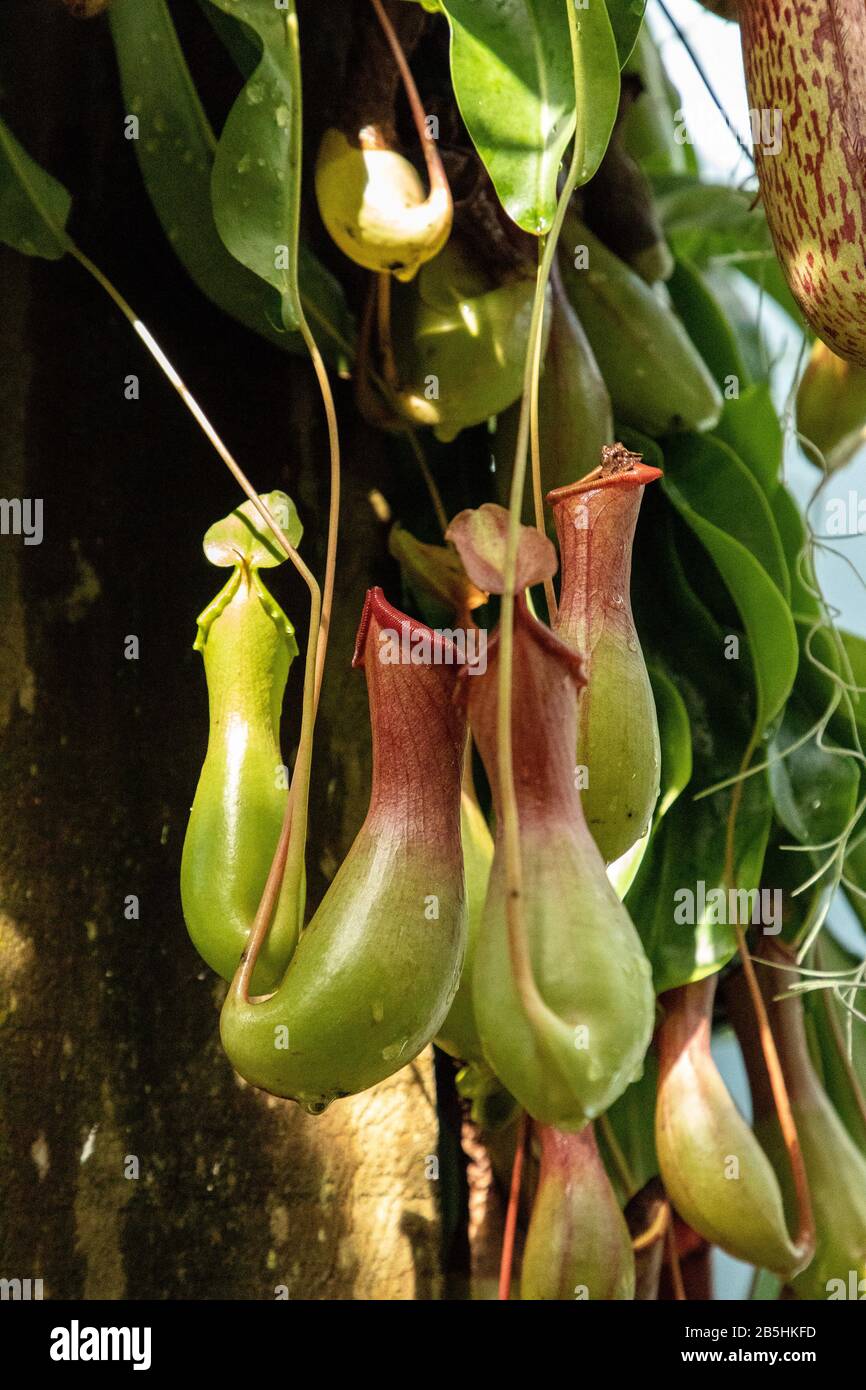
x: 108, y: 1027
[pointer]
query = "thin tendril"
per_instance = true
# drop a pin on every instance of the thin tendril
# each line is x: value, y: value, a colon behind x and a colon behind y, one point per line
x: 531, y: 1000
x: 286, y: 874
x: 435, y: 168
x: 535, y: 450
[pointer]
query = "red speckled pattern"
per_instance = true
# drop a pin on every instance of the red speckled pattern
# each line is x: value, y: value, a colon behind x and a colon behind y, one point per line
x: 807, y: 59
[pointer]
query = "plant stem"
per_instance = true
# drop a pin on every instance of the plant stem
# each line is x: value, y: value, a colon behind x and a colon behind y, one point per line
x: 193, y: 407
x: 386, y: 345
x: 435, y: 168
x: 318, y: 627
x: 626, y: 1176
x: 507, y: 1260
x: 287, y: 869
x: 805, y: 1237
x: 430, y: 482
x: 517, y: 939
x: 839, y: 1045
x: 535, y: 450
x: 674, y: 1262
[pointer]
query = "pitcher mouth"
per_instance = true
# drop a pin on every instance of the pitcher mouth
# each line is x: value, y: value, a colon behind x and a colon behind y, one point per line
x: 619, y: 468
x: 377, y: 607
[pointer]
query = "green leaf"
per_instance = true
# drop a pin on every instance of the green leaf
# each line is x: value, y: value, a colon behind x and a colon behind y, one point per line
x: 792, y: 533
x: 718, y: 498
x: 688, y: 843
x: 733, y: 289
x: 34, y: 207
x: 597, y: 86
x: 814, y: 788
x: 255, y: 185
x: 827, y: 1024
x: 513, y: 81
x: 649, y: 127
x: 830, y: 651
x: 768, y: 275
x: 676, y: 739
x: 243, y: 537
x: 626, y: 18
x: 235, y: 38
x: 750, y: 426
x: 632, y: 1118
x: 703, y: 220
x: 175, y: 152
x: 706, y: 324
x: 515, y: 86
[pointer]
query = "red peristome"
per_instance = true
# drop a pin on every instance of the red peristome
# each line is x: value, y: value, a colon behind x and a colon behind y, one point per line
x: 418, y: 728
x: 637, y: 476
x: 381, y: 613
x: 595, y: 522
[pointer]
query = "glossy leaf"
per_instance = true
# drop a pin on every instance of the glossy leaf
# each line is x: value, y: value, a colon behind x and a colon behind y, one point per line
x: 844, y: 654
x: 626, y: 18
x: 649, y: 128
x: 237, y: 40
x: 175, y: 152
x: 709, y: 477
x: 814, y: 788
x: 33, y: 205
x: 175, y: 149
x: 792, y: 533
x: 632, y: 1120
x: 828, y: 1023
x: 718, y: 498
x: 515, y: 86
x: 255, y: 185
x: 703, y: 220
x: 687, y: 845
x: 750, y: 425
x: 706, y: 324
x: 675, y: 738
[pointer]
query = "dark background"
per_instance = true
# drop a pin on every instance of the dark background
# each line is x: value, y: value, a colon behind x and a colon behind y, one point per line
x: 105, y: 1022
